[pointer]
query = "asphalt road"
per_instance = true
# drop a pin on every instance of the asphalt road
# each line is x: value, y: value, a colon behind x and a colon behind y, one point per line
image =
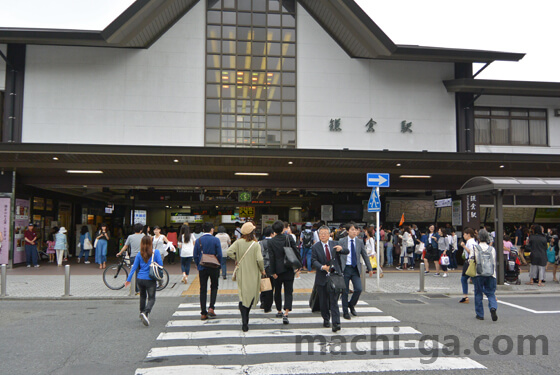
x: 106, y: 337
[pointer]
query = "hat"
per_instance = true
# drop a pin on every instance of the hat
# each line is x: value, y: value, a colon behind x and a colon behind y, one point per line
x: 309, y: 225
x: 62, y: 230
x: 30, y: 225
x: 247, y: 228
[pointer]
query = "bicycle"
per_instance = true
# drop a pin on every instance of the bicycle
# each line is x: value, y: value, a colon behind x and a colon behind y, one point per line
x: 116, y: 275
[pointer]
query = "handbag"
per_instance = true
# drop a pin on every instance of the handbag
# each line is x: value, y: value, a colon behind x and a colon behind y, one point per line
x: 373, y: 262
x: 551, y: 255
x: 444, y: 260
x: 209, y: 260
x: 234, y: 276
x: 266, y: 285
x: 419, y: 249
x: 471, y: 270
x: 87, y: 244
x: 290, y: 258
x: 95, y: 243
x: 335, y: 283
x: 156, y: 271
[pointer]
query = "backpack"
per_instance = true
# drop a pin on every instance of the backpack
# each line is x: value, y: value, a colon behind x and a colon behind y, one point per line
x: 307, y: 239
x: 484, y: 262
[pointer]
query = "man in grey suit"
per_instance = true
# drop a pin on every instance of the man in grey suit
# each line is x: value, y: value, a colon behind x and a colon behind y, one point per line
x: 324, y: 254
x: 355, y: 248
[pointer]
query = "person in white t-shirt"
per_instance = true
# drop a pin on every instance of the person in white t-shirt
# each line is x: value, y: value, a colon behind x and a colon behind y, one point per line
x: 468, y: 252
x: 186, y: 244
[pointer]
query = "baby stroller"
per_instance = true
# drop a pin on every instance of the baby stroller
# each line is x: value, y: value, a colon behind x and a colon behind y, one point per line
x: 511, y: 268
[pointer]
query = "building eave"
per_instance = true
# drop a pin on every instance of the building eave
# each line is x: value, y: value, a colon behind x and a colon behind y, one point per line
x: 502, y: 87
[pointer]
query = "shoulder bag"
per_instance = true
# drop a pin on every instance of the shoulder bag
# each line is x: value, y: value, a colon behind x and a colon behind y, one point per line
x: 209, y: 260
x: 290, y: 258
x: 156, y: 271
x: 87, y: 244
x: 234, y: 276
x: 471, y: 270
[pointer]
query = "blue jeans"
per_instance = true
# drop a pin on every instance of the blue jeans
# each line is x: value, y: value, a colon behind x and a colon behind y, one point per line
x: 31, y: 254
x: 351, y: 273
x: 465, y: 284
x: 84, y: 253
x: 390, y: 254
x: 452, y: 259
x: 486, y: 285
x: 186, y: 264
x: 306, y: 254
x: 224, y: 266
x: 101, y: 252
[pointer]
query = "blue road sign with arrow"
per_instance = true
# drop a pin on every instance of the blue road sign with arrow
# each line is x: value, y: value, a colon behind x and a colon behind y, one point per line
x: 374, y: 204
x: 378, y: 180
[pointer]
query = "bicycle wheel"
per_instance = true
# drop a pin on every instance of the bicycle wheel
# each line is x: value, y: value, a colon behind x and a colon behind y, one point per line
x: 115, y: 276
x: 163, y: 283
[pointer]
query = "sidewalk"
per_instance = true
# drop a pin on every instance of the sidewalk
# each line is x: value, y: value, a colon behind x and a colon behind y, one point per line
x: 86, y: 282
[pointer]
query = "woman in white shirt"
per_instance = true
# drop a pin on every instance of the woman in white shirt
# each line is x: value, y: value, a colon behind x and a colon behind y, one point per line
x: 186, y: 244
x: 160, y: 242
x: 468, y: 252
x: 225, y: 241
x: 371, y: 249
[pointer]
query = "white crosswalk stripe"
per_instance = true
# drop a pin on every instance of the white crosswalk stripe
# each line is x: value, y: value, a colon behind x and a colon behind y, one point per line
x: 258, y: 321
x: 204, y: 335
x: 258, y: 312
x: 218, y: 346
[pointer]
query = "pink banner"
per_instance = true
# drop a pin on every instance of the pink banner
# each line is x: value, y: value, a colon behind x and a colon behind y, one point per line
x: 20, y: 223
x: 5, y: 230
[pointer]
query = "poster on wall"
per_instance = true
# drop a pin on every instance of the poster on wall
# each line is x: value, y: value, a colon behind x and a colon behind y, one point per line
x: 139, y: 217
x: 268, y: 220
x: 5, y: 204
x: 456, y: 216
x: 20, y: 223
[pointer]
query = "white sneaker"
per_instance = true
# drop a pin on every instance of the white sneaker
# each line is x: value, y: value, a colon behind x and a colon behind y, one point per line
x: 86, y: 262
x: 28, y: 265
x: 37, y: 266
x: 144, y: 319
x: 444, y: 275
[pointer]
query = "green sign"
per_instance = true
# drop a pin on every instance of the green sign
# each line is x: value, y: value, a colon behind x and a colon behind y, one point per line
x: 244, y: 196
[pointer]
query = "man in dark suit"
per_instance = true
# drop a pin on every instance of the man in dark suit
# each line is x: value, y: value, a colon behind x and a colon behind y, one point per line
x: 324, y: 256
x: 354, y: 247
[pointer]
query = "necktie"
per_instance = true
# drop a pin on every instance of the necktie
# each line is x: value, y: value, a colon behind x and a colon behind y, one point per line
x: 327, y: 253
x: 353, y: 250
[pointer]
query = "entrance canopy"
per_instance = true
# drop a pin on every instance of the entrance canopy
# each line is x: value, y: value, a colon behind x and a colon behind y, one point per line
x: 498, y: 186
x: 488, y: 185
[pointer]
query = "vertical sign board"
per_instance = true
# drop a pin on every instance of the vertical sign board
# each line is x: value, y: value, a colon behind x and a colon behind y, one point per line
x: 456, y: 218
x: 5, y: 208
x: 471, y: 212
x: 21, y: 220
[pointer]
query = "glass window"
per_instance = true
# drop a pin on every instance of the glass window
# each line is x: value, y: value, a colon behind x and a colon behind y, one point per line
x: 251, y: 74
x: 511, y: 126
x: 214, y: 17
x: 244, y: 18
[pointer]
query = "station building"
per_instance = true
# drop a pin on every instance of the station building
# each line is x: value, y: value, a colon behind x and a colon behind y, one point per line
x: 194, y: 110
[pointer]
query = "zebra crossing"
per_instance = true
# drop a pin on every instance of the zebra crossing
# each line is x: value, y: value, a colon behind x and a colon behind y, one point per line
x: 371, y: 342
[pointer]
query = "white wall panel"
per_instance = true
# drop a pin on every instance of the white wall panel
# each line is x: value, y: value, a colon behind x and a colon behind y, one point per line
x: 332, y: 85
x: 151, y: 96
x: 525, y: 102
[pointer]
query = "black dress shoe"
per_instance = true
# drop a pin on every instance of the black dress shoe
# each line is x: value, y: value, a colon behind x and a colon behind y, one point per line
x: 326, y: 324
x: 480, y: 317
x: 352, y: 310
x: 346, y: 316
x: 335, y: 327
x: 494, y: 315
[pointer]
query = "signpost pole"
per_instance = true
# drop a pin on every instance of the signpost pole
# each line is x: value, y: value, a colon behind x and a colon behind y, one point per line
x: 377, y: 244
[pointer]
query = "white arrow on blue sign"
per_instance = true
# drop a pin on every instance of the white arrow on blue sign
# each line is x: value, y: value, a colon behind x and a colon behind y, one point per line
x: 378, y: 179
x: 374, y: 204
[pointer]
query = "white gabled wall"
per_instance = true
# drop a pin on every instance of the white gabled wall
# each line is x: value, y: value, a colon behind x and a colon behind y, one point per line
x: 525, y: 102
x: 333, y: 85
x: 151, y: 96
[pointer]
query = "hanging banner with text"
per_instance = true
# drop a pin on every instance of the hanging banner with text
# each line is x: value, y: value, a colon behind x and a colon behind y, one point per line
x: 20, y: 223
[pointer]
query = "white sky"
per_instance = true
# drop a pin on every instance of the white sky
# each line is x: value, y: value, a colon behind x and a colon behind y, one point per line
x: 501, y: 25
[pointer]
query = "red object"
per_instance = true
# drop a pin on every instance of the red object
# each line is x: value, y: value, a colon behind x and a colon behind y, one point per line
x: 328, y: 253
x: 172, y: 237
x: 402, y: 220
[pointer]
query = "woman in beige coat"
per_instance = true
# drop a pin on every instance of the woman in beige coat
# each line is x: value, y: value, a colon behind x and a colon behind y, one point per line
x: 246, y: 252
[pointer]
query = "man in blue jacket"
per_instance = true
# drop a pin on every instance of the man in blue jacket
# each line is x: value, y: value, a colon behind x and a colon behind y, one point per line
x: 207, y: 244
